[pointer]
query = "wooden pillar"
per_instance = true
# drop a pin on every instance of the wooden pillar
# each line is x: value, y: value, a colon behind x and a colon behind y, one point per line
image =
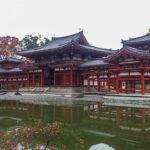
x: 33, y: 80
x: 108, y: 82
x: 28, y: 75
x: 117, y: 85
x: 98, y: 83
x: 64, y: 77
x: 93, y: 80
x: 7, y: 81
x: 88, y: 80
x: 77, y: 76
x: 71, y: 76
x: 41, y: 84
x: 133, y: 86
x: 54, y: 78
x: 42, y: 79
x: 126, y: 87
x: 142, y: 83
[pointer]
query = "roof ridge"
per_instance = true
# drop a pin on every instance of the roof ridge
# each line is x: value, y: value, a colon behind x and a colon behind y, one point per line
x: 102, y: 48
x: 105, y: 49
x: 53, y: 38
x: 135, y: 38
x: 133, y: 48
x: 75, y: 34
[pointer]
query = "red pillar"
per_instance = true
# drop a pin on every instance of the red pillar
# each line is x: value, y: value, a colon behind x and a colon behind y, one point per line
x: 126, y: 87
x: 108, y: 82
x: 28, y: 78
x: 42, y: 79
x: 133, y: 86
x: 142, y: 83
x: 88, y: 80
x: 64, y: 77
x: 54, y: 78
x: 71, y: 76
x: 78, y: 81
x: 33, y: 80
x: 98, y: 83
x: 93, y: 80
x: 117, y: 85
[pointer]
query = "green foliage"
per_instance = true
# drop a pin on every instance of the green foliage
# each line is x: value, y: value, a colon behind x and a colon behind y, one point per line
x: 148, y: 32
x: 30, y: 41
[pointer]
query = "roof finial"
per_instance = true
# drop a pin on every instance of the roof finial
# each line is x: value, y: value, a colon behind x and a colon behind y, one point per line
x: 80, y: 29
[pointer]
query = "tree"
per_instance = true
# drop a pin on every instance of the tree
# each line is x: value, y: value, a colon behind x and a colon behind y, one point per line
x: 8, y: 46
x: 30, y: 41
x: 148, y: 32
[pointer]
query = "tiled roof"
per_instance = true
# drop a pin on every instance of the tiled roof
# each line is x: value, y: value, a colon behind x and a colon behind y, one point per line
x: 138, y: 40
x: 55, y: 43
x: 104, y: 50
x: 98, y: 62
x: 134, y: 51
x: 11, y: 60
x: 62, y: 42
x: 10, y: 70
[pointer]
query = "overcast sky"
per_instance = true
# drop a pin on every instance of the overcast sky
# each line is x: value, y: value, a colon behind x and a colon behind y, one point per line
x: 104, y: 22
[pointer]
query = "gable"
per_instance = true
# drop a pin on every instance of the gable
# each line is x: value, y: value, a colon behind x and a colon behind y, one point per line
x: 123, y: 56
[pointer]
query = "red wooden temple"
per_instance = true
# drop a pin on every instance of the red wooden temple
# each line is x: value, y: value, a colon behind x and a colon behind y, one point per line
x: 59, y: 61
x: 70, y: 61
x: 125, y: 71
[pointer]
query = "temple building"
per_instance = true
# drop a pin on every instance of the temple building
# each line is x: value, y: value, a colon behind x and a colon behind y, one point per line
x: 11, y: 74
x: 71, y: 62
x: 126, y: 71
x: 60, y: 59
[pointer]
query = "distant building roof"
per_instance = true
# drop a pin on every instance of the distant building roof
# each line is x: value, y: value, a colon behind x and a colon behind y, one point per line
x: 137, y: 40
x: 62, y: 42
x: 98, y: 62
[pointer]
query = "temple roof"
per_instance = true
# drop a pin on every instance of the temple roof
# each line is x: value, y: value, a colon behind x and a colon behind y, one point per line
x: 103, y: 50
x: 137, y: 40
x: 136, y: 51
x: 11, y: 60
x: 98, y: 62
x: 10, y: 70
x: 62, y: 42
x: 130, y: 50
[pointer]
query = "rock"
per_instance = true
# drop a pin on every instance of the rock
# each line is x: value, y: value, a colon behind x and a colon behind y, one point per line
x: 19, y: 147
x: 101, y: 146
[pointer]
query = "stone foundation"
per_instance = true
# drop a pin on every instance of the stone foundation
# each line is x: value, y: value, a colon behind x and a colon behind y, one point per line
x: 72, y: 91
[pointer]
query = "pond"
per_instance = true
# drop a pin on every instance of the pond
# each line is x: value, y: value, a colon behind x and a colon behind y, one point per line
x: 81, y: 129
x: 7, y: 123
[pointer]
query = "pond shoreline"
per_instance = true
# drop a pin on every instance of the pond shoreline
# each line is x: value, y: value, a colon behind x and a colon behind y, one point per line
x: 110, y: 100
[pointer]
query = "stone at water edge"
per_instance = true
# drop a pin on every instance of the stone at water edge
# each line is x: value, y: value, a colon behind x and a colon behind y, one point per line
x: 101, y: 146
x: 19, y: 147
